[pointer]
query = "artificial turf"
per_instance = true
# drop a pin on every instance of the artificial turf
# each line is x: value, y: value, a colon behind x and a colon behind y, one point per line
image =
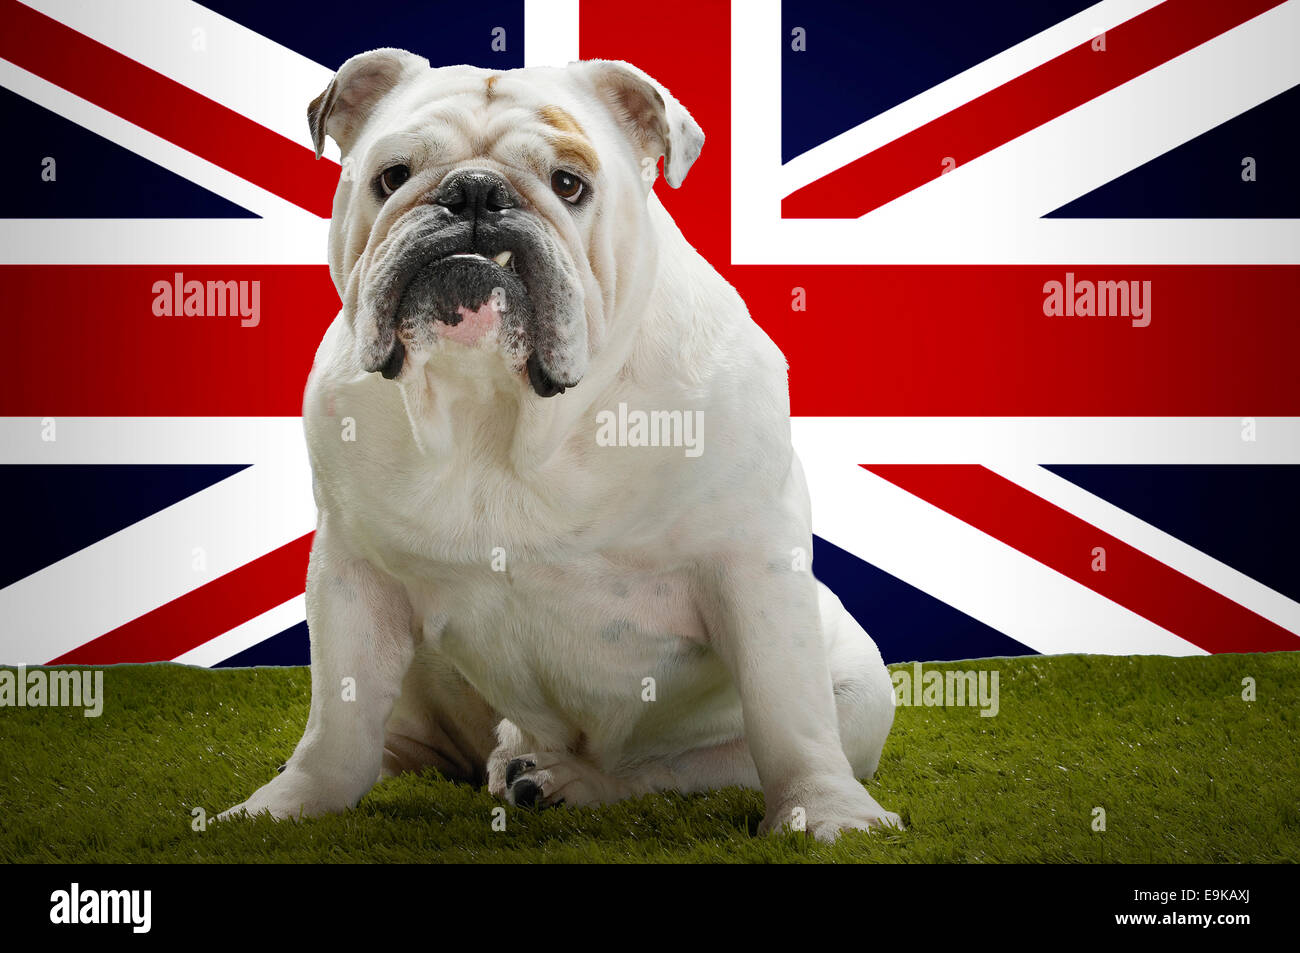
x: 1184, y: 768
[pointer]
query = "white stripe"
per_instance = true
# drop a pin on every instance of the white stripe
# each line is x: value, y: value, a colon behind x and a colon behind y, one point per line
x: 237, y: 67
x: 256, y: 630
x: 957, y: 91
x: 986, y: 211
x: 275, y: 441
x: 1033, y: 440
x: 550, y: 32
x: 151, y: 562
x: 973, y: 572
x: 1157, y: 544
x: 850, y: 440
x: 149, y: 241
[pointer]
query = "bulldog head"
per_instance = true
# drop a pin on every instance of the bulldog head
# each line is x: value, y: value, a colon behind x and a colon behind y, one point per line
x: 500, y: 211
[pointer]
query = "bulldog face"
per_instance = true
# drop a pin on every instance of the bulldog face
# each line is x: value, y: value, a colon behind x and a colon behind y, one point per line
x: 493, y: 210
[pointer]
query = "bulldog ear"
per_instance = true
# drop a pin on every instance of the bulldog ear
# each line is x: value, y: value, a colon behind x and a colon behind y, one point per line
x: 357, y: 87
x: 652, y: 117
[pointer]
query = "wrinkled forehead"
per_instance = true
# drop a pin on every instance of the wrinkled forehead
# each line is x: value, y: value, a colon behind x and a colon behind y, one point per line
x: 525, y: 118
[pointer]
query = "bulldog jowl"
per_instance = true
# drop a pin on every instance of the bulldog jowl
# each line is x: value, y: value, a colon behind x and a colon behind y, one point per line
x: 491, y: 287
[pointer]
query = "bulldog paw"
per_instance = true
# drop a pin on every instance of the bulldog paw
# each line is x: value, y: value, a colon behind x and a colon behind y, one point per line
x: 549, y: 779
x: 825, y: 812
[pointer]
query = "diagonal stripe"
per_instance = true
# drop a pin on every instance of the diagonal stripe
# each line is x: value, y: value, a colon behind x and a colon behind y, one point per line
x: 906, y: 623
x: 91, y: 503
x: 142, y: 96
x: 228, y: 601
x: 988, y: 580
x: 290, y: 646
x: 945, y: 96
x: 243, y: 637
x: 1013, y: 109
x: 1255, y: 507
x: 1065, y: 543
x: 139, y: 140
x: 161, y: 34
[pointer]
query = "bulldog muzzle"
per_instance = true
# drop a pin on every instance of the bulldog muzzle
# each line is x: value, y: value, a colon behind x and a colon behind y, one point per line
x: 470, y: 262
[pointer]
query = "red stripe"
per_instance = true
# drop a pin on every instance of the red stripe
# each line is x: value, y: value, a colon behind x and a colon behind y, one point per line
x: 1016, y: 107
x: 686, y: 46
x: 970, y: 340
x: 199, y: 616
x: 890, y: 341
x: 1057, y: 538
x: 61, y: 55
x: 86, y: 342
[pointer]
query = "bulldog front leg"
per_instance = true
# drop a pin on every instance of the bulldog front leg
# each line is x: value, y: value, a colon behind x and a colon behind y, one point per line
x: 765, y: 623
x: 361, y: 647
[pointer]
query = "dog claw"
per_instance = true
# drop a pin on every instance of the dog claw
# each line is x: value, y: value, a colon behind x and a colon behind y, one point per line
x: 516, y: 767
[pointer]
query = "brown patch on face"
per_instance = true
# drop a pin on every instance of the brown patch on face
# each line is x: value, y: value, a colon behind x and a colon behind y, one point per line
x: 491, y: 86
x: 561, y: 120
x: 570, y: 142
x: 576, y: 151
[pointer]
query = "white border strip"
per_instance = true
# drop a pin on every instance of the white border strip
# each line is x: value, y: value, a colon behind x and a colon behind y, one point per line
x: 851, y: 440
x: 164, y: 242
x: 277, y: 441
x: 1035, y: 440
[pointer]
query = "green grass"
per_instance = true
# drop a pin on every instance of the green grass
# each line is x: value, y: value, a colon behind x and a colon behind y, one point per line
x: 1184, y: 768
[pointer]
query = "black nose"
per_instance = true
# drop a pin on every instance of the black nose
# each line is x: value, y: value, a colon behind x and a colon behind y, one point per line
x: 474, y: 193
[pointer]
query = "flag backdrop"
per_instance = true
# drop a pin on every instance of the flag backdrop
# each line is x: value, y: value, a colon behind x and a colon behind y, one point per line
x: 893, y: 188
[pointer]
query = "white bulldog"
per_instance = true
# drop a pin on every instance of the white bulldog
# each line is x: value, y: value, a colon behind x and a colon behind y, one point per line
x: 494, y: 590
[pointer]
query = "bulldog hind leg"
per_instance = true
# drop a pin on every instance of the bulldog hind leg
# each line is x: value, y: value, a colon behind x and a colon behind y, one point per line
x: 864, y: 707
x: 440, y: 721
x: 864, y: 704
x: 864, y: 694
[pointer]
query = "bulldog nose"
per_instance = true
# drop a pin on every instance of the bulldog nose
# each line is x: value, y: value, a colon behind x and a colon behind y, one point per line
x: 471, y: 193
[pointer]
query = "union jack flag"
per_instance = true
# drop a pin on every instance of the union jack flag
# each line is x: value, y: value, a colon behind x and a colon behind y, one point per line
x: 1035, y: 267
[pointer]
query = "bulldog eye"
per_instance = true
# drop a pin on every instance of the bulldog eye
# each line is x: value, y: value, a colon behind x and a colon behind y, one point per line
x: 567, y: 185
x: 392, y: 178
